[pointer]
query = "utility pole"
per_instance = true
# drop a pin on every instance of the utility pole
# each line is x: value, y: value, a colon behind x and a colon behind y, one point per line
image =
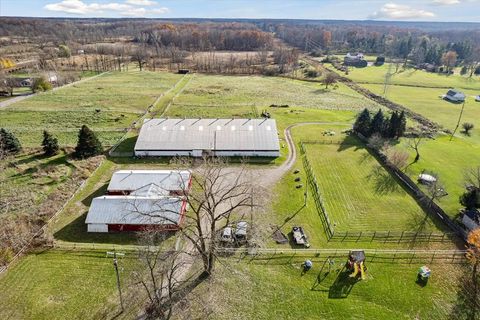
x: 459, y: 119
x: 115, y: 266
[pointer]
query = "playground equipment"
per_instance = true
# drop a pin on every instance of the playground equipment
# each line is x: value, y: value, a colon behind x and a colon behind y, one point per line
x: 356, y: 264
x: 423, y: 275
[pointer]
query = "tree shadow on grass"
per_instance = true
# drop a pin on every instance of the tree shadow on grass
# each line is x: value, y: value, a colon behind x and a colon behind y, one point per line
x: 342, y: 286
x: 383, y: 181
x: 349, y: 142
x: 467, y: 304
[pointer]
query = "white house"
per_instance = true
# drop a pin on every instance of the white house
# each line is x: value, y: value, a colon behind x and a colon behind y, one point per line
x: 454, y: 96
x: 215, y: 137
x: 471, y: 219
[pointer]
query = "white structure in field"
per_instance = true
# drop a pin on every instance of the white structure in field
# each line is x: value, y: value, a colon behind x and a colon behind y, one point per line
x: 216, y: 137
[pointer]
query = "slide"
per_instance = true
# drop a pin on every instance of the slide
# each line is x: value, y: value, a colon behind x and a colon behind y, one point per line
x: 355, y: 271
x: 362, y: 271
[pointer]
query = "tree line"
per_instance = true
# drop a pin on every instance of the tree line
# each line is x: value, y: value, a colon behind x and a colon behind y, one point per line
x: 392, y: 127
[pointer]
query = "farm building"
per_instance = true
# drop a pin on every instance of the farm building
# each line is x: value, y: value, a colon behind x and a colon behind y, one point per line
x: 215, y: 137
x: 355, y: 59
x: 167, y: 182
x: 471, y: 219
x: 454, y: 96
x: 135, y: 213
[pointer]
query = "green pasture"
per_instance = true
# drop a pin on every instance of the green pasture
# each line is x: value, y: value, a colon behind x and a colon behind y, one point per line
x: 108, y: 104
x: 58, y: 284
x: 277, y: 289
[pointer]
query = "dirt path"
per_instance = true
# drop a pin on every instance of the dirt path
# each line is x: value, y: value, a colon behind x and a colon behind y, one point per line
x: 11, y: 101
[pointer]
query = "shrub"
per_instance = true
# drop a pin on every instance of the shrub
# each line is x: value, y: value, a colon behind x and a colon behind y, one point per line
x: 41, y: 84
x: 467, y: 126
x: 9, y: 144
x: 49, y: 144
x: 311, y: 73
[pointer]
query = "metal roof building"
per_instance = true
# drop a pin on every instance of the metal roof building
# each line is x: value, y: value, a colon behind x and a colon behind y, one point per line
x: 167, y: 182
x: 135, y: 213
x: 218, y: 137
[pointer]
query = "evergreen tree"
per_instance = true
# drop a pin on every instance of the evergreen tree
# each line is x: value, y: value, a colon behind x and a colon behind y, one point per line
x: 402, y: 125
x: 49, y: 144
x: 471, y: 199
x: 9, y: 143
x: 88, y: 144
x: 392, y: 127
x: 363, y: 122
x: 378, y: 123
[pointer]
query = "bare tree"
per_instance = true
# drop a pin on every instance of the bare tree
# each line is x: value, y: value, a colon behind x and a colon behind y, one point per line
x: 435, y: 189
x: 159, y: 275
x: 415, y: 139
x: 217, y: 196
x: 139, y: 56
x: 329, y: 79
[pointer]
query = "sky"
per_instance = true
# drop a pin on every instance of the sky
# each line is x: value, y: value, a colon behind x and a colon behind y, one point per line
x: 393, y: 10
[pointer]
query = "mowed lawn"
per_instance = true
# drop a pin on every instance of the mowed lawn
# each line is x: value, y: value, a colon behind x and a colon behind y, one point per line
x: 108, y: 104
x: 412, y: 77
x: 274, y: 289
x: 236, y: 95
x: 359, y: 194
x: 59, y: 284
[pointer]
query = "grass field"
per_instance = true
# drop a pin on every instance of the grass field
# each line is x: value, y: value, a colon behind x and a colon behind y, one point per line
x: 59, y: 284
x: 276, y: 289
x: 359, y: 194
x: 108, y: 104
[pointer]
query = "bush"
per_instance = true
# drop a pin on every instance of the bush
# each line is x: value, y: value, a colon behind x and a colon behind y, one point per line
x: 311, y: 73
x: 380, y: 61
x: 9, y: 144
x: 49, y: 144
x: 41, y: 84
x: 271, y: 71
x: 467, y: 126
x: 463, y: 71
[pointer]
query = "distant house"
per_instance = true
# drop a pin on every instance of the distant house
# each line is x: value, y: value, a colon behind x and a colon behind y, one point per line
x: 135, y: 213
x: 471, y: 219
x: 80, y: 51
x: 167, y: 182
x: 51, y: 77
x: 26, y: 82
x: 454, y: 95
x: 355, y: 59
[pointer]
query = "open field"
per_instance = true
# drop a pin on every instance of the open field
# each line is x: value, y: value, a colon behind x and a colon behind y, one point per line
x: 276, y: 289
x: 59, y: 284
x: 108, y: 104
x: 359, y: 194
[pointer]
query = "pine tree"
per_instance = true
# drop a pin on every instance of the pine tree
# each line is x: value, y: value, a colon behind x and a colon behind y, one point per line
x: 363, y: 122
x: 402, y: 125
x: 378, y: 123
x: 88, y: 144
x: 49, y: 144
x: 9, y: 143
x: 392, y: 128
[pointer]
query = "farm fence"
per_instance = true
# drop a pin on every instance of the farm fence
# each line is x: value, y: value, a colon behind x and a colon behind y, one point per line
x: 420, y: 197
x: 269, y: 255
x: 366, y: 235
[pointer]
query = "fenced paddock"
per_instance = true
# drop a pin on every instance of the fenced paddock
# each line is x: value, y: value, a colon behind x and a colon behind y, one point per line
x: 358, y: 200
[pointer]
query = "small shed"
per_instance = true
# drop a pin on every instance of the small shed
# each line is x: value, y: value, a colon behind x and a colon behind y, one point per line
x: 454, y: 95
x: 471, y: 219
x: 426, y: 179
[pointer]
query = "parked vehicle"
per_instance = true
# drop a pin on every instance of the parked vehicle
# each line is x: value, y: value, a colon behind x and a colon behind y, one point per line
x: 227, y: 235
x: 241, y: 231
x: 299, y: 237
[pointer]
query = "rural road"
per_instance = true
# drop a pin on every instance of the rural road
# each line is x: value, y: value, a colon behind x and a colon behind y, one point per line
x: 11, y: 101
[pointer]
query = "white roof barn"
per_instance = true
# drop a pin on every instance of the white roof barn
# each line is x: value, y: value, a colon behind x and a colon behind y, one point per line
x: 167, y: 181
x: 220, y: 137
x: 132, y: 213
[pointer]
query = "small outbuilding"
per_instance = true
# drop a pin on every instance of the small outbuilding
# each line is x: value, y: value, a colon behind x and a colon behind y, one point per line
x: 355, y: 59
x: 454, y: 95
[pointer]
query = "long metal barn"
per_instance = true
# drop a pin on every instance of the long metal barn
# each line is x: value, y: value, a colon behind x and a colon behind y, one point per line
x: 213, y: 137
